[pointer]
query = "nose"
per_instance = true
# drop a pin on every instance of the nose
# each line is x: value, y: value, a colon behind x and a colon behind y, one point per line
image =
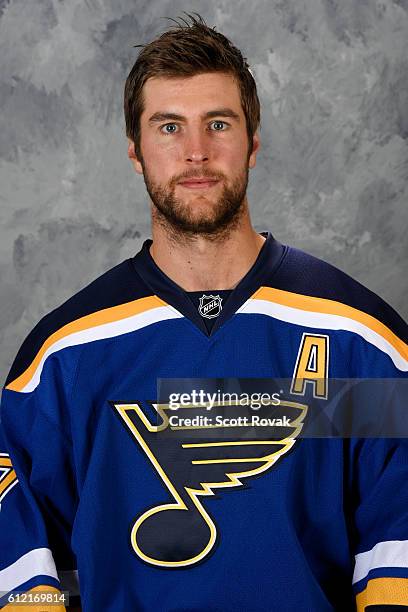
x: 196, y: 146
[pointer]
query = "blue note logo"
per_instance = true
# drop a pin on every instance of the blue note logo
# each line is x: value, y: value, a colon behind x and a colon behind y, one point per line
x: 210, y: 306
x: 194, y: 462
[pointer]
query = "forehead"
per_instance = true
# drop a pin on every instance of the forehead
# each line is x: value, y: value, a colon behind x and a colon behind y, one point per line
x: 195, y: 94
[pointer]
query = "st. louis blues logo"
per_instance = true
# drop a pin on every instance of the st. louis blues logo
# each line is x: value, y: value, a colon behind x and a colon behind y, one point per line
x: 210, y: 306
x: 194, y: 462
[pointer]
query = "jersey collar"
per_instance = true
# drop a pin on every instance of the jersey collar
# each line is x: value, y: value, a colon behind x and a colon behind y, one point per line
x: 260, y: 273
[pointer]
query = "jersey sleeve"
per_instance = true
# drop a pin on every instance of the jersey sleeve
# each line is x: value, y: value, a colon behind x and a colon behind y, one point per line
x: 38, y: 493
x: 378, y: 508
x: 380, y: 495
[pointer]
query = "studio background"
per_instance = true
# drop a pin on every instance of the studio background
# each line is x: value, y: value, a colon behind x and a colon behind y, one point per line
x: 331, y: 176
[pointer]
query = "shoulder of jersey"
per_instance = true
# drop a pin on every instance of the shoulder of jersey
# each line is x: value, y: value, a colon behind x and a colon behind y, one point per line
x: 301, y: 282
x: 308, y: 283
x: 115, y: 294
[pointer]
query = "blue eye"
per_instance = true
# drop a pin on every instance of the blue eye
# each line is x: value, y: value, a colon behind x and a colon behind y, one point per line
x: 215, y: 123
x: 168, y: 125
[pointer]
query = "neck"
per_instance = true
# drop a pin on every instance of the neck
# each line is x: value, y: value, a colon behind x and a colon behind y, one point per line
x: 199, y: 263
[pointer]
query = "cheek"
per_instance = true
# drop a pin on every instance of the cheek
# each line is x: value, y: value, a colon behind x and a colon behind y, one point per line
x: 233, y: 159
x: 159, y: 159
x: 163, y: 155
x: 229, y: 153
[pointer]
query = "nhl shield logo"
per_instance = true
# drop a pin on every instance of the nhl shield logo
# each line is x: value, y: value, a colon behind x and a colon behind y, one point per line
x: 210, y: 306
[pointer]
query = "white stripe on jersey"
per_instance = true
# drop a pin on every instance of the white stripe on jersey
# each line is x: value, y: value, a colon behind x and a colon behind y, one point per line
x: 393, y: 553
x: 37, y: 562
x: 323, y: 321
x: 101, y: 332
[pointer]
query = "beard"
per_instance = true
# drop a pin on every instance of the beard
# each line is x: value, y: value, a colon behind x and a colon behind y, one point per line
x: 181, y: 218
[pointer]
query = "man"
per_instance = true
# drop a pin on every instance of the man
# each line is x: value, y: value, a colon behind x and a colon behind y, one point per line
x: 147, y: 503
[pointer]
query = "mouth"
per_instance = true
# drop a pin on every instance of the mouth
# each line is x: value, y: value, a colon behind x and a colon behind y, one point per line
x: 198, y: 183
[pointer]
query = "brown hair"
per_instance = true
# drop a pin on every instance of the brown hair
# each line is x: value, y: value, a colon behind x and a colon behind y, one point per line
x: 187, y: 50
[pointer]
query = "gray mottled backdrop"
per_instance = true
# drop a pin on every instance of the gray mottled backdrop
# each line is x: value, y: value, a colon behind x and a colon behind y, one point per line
x: 331, y: 178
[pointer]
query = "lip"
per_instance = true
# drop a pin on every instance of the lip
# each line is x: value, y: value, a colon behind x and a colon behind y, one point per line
x: 198, y: 183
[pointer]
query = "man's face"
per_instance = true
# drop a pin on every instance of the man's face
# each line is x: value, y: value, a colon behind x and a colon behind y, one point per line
x: 194, y: 128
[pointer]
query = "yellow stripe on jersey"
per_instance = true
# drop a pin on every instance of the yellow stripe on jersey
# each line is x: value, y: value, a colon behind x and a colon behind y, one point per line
x: 382, y: 592
x: 88, y: 322
x: 323, y: 306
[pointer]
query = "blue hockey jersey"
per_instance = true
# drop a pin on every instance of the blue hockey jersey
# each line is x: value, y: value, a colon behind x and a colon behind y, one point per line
x: 98, y: 500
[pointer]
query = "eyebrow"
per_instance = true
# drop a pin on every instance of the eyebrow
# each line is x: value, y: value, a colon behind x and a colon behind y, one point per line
x: 219, y: 112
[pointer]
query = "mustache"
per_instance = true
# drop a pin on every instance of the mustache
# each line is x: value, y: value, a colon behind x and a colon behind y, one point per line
x: 198, y: 174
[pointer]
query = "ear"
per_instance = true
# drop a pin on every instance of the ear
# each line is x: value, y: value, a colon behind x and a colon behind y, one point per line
x: 256, y: 145
x: 133, y: 157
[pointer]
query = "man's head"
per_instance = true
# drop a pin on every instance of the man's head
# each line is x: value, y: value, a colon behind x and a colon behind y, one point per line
x: 192, y: 111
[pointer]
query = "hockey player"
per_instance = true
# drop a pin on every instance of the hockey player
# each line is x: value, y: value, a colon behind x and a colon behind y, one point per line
x: 102, y: 495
